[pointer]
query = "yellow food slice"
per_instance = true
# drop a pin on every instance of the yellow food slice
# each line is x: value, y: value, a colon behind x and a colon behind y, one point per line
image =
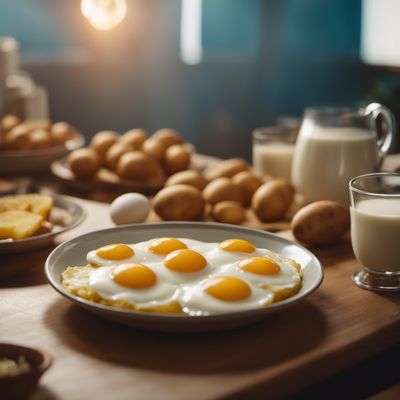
x: 13, y: 203
x: 17, y: 224
x: 39, y: 204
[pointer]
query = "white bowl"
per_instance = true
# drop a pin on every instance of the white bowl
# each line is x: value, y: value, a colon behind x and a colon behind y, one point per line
x: 74, y: 252
x: 73, y: 214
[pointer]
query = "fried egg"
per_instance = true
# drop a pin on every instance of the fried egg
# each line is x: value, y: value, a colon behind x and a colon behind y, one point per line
x: 221, y: 294
x: 173, y: 274
x: 111, y: 254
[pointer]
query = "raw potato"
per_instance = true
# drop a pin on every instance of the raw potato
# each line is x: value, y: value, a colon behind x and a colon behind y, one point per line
x: 61, y: 132
x: 248, y: 184
x: 179, y: 203
x: 189, y: 177
x: 177, y: 158
x: 154, y: 149
x: 167, y: 137
x: 227, y: 168
x: 18, y: 138
x: 139, y: 166
x: 221, y: 189
x: 40, y: 138
x: 134, y: 138
x: 272, y: 200
x: 229, y: 212
x: 114, y: 153
x: 102, y: 141
x: 320, y: 223
x: 9, y: 121
x: 84, y: 163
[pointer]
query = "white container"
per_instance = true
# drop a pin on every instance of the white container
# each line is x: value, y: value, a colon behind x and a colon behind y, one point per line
x: 335, y: 145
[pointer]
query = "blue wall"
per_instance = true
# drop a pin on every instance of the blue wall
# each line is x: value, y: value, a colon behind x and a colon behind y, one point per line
x: 263, y: 59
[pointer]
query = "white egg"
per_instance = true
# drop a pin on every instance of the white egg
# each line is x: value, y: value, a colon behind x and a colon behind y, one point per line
x: 129, y: 208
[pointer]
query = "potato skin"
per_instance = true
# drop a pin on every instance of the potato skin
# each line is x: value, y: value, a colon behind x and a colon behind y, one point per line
x: 227, y: 169
x: 102, y: 141
x: 179, y: 203
x: 177, y: 158
x: 248, y: 183
x: 134, y: 138
x: 188, y: 177
x: 229, y: 212
x: 321, y: 223
x: 138, y: 165
x: 221, y: 189
x: 84, y: 163
x: 272, y: 200
x: 167, y: 137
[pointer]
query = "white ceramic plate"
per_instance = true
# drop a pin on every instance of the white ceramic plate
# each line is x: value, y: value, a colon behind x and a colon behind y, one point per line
x: 65, y: 210
x: 32, y: 161
x: 74, y: 252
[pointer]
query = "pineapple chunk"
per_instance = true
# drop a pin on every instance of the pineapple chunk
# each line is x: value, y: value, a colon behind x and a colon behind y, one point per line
x: 17, y: 224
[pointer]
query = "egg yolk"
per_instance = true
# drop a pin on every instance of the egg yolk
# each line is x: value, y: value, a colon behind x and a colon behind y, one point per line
x: 185, y: 260
x: 134, y: 276
x: 115, y: 252
x: 227, y: 288
x: 239, y: 245
x: 165, y: 245
x: 259, y: 266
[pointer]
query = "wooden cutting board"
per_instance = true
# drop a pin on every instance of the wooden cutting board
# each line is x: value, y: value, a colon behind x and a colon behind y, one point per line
x: 334, y: 328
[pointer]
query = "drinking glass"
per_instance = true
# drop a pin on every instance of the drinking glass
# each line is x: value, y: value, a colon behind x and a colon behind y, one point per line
x: 273, y: 149
x: 375, y: 230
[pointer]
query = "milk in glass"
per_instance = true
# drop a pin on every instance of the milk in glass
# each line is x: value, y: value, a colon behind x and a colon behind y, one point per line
x: 273, y: 158
x: 375, y: 233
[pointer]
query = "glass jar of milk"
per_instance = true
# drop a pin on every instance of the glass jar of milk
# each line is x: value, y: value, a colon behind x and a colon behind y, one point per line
x: 337, y: 144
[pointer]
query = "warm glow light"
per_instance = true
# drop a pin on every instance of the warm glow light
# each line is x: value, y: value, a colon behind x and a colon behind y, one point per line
x: 104, y: 14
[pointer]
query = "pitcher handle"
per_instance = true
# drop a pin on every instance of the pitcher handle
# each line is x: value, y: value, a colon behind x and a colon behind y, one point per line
x: 375, y: 110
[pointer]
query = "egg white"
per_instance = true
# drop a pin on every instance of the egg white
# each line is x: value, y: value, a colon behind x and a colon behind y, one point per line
x: 162, y: 292
x: 195, y: 301
x: 287, y: 277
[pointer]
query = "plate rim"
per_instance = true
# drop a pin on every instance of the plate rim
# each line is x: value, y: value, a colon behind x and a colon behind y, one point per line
x: 57, y: 199
x: 170, y: 316
x: 72, y: 144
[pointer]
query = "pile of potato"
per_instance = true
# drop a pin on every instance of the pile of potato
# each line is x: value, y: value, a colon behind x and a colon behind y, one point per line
x: 16, y: 134
x: 135, y: 155
x: 226, y: 191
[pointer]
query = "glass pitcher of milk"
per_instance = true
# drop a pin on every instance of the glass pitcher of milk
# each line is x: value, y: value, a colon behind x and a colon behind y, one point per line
x: 337, y: 144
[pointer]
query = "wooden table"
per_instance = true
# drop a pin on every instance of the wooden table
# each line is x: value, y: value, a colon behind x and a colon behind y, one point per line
x: 336, y: 327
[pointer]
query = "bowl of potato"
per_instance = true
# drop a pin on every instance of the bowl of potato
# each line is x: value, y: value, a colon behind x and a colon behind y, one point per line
x: 132, y: 161
x: 30, y: 146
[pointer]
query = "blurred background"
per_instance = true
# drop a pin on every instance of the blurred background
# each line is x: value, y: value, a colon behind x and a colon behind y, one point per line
x: 212, y: 69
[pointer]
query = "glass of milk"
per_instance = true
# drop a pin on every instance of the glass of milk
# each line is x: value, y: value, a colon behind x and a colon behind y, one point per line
x: 273, y: 149
x: 336, y: 144
x: 375, y: 230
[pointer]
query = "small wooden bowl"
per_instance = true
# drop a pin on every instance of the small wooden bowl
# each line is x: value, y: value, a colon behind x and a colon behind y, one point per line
x: 23, y: 385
